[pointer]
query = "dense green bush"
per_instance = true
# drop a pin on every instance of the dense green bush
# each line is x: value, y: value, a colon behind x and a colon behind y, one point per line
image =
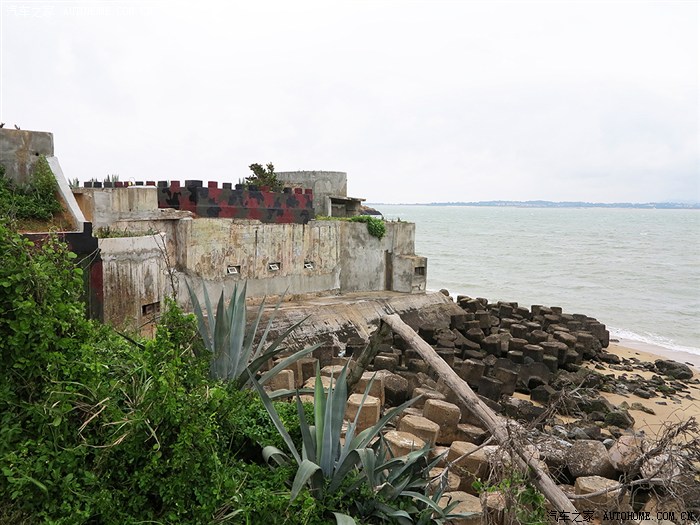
x: 99, y: 429
x: 95, y: 429
x: 35, y: 200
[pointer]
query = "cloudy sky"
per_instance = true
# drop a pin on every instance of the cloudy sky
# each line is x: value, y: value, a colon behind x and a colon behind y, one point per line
x: 418, y: 101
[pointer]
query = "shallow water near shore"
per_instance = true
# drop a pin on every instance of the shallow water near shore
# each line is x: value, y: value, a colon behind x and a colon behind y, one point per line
x: 636, y: 270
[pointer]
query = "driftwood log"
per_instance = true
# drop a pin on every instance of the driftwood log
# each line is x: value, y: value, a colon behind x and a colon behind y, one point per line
x: 494, y: 423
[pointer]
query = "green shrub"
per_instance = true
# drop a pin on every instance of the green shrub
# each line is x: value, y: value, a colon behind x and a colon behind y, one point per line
x: 376, y: 227
x: 35, y: 200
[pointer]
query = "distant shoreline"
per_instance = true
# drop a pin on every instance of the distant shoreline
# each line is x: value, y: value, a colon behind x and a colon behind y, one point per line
x: 552, y: 204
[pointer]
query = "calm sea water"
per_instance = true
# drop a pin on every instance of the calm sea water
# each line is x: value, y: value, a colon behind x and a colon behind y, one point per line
x: 637, y: 271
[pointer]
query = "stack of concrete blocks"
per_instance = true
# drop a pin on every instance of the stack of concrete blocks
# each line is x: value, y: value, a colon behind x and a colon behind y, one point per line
x: 498, y: 349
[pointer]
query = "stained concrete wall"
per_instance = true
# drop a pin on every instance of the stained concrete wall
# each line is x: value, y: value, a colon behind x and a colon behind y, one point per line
x: 319, y: 257
x: 306, y: 255
x: 325, y: 184
x: 106, y: 206
x: 134, y: 280
x: 369, y: 263
x: 19, y: 151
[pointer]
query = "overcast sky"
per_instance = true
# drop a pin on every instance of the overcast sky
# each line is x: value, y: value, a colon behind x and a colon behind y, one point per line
x: 416, y: 101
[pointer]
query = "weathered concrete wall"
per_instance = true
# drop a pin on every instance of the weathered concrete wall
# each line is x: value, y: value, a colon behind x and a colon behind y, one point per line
x: 105, y: 206
x: 19, y: 151
x: 369, y: 263
x: 134, y: 280
x: 325, y: 184
x: 305, y: 257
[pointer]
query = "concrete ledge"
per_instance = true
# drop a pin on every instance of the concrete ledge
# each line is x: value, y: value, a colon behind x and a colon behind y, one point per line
x: 334, y: 320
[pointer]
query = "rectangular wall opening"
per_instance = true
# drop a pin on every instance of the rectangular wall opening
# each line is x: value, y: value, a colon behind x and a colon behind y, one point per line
x: 150, y: 309
x: 419, y: 270
x: 274, y: 267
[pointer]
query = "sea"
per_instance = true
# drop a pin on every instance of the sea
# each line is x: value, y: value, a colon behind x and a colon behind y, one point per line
x: 635, y: 270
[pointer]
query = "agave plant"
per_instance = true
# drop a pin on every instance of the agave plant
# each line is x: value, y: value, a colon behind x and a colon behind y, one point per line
x: 327, y: 464
x: 231, y: 347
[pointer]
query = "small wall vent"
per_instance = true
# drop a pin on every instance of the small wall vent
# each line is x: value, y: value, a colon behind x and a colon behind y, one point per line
x: 150, y: 309
x: 274, y: 267
x: 233, y: 269
x: 308, y: 265
x: 419, y: 270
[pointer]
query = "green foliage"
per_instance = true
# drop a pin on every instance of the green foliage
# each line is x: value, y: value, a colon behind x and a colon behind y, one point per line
x: 94, y: 429
x: 264, y: 176
x: 376, y: 227
x: 35, y: 200
x: 107, y: 232
x: 527, y: 503
x: 97, y: 429
x: 231, y: 345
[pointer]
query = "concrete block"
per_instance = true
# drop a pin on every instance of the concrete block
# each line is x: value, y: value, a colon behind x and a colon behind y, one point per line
x: 469, y: 463
x: 395, y: 388
x: 468, y: 505
x: 368, y: 415
x: 508, y: 378
x: 490, y: 388
x: 472, y: 371
x: 426, y: 394
x: 592, y: 484
x: 421, y: 427
x: 386, y: 362
x: 401, y: 443
x: 331, y: 371
x: 284, y: 380
x: 442, y: 479
x: 471, y: 433
x: 377, y: 389
x: 308, y: 368
x: 534, y: 352
x: 446, y: 415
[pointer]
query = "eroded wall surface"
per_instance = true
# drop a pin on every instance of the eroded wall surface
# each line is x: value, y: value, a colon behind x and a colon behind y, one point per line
x: 273, y: 258
x: 20, y: 149
x: 134, y: 281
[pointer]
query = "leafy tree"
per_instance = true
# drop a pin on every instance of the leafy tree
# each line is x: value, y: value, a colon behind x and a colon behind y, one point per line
x: 264, y: 176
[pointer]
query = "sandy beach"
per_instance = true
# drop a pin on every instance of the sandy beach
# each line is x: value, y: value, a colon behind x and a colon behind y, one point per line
x: 668, y: 409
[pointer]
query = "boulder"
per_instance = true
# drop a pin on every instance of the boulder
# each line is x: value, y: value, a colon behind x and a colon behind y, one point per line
x: 620, y: 418
x: 674, y: 369
x: 588, y: 457
x: 625, y: 452
x: 601, y: 502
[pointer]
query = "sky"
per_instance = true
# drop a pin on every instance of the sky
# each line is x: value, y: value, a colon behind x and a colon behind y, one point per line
x: 417, y: 101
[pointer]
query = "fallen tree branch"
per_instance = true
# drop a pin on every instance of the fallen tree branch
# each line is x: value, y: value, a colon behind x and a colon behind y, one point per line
x: 367, y: 355
x: 495, y: 424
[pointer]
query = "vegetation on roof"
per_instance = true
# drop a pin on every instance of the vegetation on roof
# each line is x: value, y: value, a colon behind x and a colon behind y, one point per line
x: 37, y: 199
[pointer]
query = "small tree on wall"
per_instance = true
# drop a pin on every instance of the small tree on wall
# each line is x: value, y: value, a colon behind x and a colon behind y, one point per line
x: 264, y: 176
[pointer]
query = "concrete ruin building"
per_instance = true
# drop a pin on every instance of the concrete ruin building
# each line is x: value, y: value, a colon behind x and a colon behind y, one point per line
x: 156, y: 235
